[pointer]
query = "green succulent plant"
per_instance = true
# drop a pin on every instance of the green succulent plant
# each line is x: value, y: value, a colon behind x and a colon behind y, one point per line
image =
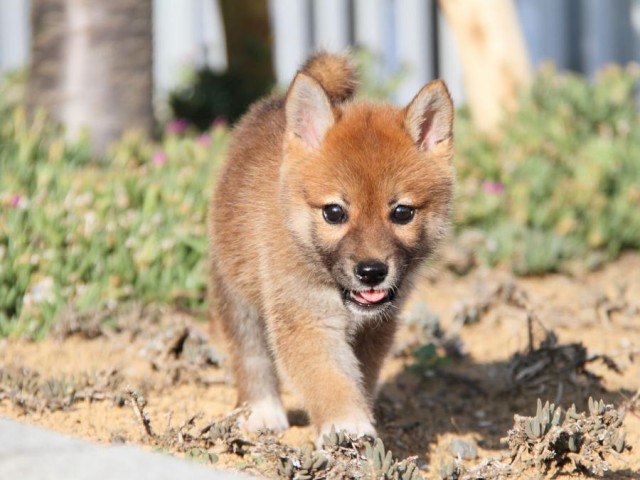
x: 562, y: 181
x: 382, y: 465
x: 78, y: 232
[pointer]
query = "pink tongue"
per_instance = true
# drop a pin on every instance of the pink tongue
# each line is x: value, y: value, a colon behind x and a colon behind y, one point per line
x: 372, y: 296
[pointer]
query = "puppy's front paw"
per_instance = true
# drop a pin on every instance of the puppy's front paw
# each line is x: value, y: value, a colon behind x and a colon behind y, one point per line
x: 267, y: 414
x: 354, y: 427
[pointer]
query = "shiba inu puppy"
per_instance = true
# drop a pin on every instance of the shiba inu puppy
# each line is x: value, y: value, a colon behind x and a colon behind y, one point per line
x: 323, y: 213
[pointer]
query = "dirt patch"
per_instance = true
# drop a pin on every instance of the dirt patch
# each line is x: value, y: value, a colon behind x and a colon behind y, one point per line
x: 473, y: 352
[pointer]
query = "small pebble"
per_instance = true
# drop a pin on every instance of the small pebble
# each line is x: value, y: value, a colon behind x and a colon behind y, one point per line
x: 463, y: 449
x: 118, y: 439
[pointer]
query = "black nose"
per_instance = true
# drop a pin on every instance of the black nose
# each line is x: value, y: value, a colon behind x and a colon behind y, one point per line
x: 371, y: 272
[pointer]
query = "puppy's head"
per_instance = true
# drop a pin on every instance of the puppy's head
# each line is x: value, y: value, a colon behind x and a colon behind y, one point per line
x: 366, y: 189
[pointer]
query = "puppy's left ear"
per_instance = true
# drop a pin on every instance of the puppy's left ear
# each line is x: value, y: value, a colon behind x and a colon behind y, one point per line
x: 429, y: 116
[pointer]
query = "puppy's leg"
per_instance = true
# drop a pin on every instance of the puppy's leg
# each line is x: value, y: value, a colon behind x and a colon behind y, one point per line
x: 253, y: 368
x: 371, y: 346
x: 322, y: 365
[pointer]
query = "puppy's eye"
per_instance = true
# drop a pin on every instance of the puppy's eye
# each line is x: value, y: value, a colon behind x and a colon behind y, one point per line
x: 334, y: 214
x: 402, y: 214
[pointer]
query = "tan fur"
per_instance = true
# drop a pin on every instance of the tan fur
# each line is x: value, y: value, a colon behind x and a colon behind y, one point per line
x: 279, y: 269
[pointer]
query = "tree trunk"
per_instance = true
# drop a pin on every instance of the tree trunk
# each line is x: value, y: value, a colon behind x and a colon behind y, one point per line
x: 248, y: 40
x: 92, y: 66
x: 495, y: 63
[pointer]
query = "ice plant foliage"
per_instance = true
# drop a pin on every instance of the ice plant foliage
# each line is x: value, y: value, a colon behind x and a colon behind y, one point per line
x: 84, y: 233
x: 563, y: 180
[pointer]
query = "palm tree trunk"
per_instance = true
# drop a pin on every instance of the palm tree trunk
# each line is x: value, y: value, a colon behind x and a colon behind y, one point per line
x: 92, y: 66
x: 495, y: 61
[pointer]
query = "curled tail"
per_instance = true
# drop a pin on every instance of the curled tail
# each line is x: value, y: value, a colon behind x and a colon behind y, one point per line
x: 336, y: 73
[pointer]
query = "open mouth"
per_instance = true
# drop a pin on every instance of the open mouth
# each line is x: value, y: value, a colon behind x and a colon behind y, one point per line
x: 370, y: 298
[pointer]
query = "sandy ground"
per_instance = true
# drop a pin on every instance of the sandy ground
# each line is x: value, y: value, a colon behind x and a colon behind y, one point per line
x: 168, y: 358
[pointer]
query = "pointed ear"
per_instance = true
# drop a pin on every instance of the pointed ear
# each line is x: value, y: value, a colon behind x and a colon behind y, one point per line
x: 308, y: 111
x: 429, y: 116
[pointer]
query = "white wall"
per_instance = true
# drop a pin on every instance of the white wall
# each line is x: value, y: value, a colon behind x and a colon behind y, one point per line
x: 399, y: 32
x: 186, y: 33
x: 14, y: 34
x: 291, y: 35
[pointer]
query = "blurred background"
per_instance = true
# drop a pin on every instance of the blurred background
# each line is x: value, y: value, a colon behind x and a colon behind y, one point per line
x: 114, y: 117
x: 156, y: 46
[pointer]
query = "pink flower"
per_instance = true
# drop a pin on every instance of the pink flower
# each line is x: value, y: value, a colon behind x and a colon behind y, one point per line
x: 177, y: 126
x: 159, y: 158
x: 493, y: 188
x: 220, y: 122
x: 15, y: 201
x: 204, y: 140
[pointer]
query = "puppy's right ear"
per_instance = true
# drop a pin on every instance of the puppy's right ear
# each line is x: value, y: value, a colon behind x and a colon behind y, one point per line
x: 308, y: 111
